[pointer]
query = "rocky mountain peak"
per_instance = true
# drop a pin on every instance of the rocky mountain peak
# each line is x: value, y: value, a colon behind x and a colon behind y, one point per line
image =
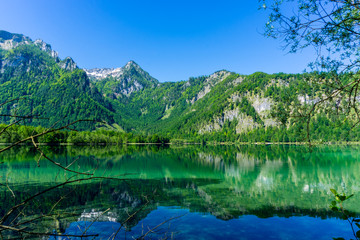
x: 68, y: 64
x: 219, y: 75
x: 117, y: 73
x: 46, y: 48
x: 9, y: 40
x: 124, y: 80
x: 5, y: 36
x: 130, y: 64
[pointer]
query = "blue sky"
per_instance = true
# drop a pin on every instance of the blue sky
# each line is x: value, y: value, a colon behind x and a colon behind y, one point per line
x: 172, y: 40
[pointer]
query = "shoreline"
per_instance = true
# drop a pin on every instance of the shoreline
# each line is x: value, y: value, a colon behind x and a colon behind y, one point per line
x: 187, y: 143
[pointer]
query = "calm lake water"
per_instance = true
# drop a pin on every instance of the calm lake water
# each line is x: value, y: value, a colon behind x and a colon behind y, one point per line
x: 194, y: 192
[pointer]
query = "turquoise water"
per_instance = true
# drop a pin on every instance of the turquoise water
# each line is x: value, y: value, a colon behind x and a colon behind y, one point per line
x: 248, y: 192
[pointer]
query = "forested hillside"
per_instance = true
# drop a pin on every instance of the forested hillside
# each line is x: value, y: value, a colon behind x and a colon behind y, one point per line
x: 47, y: 87
x: 223, y: 106
x: 226, y: 106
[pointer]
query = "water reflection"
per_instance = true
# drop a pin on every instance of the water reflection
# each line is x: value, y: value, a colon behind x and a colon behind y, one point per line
x: 224, y: 182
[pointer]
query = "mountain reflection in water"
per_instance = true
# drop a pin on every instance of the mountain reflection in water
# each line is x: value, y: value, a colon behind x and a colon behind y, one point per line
x: 245, y: 192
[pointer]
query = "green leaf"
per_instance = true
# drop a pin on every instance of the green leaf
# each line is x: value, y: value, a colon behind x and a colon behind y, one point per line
x: 349, y: 196
x: 356, y: 220
x: 333, y: 203
x: 358, y: 225
x: 333, y: 191
x: 358, y: 234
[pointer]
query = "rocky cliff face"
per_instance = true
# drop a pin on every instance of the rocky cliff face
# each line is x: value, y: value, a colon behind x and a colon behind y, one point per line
x: 245, y: 123
x: 209, y: 83
x: 9, y: 41
x: 263, y: 107
x: 46, y: 48
x: 68, y: 64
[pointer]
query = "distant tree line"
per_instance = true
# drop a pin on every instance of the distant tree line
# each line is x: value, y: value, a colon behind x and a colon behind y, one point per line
x: 18, y: 132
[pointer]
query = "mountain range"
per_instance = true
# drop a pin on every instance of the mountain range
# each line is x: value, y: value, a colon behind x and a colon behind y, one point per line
x: 223, y: 106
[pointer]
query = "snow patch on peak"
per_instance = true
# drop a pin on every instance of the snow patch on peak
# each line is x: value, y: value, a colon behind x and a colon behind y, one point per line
x: 101, y: 73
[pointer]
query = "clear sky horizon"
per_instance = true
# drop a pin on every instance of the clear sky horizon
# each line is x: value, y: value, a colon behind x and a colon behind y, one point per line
x: 172, y: 40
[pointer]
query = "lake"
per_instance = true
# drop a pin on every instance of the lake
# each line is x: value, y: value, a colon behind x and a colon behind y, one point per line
x: 180, y: 192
